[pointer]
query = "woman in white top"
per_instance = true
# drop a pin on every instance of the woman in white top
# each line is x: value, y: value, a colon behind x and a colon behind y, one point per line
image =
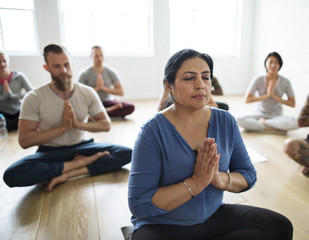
x: 270, y: 90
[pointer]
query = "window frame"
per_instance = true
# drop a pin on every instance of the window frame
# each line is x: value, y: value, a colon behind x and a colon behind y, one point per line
x: 150, y: 36
x: 233, y: 52
x: 35, y: 52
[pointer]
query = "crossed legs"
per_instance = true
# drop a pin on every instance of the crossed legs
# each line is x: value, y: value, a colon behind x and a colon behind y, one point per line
x: 75, y: 167
x: 57, y: 164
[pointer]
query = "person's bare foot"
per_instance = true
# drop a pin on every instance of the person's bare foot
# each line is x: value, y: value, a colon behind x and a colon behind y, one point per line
x: 75, y: 167
x: 57, y: 180
x: 82, y: 161
x: 266, y: 128
x: 114, y: 107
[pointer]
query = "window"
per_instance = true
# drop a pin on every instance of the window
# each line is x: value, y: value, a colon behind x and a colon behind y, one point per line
x: 121, y: 27
x: 17, y: 26
x: 206, y: 25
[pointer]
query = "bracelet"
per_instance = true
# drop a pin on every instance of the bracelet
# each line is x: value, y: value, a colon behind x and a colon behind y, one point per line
x: 189, y: 189
x: 230, y: 181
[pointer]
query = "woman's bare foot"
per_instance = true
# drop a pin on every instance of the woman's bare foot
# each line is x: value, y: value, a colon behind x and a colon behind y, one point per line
x: 75, y: 167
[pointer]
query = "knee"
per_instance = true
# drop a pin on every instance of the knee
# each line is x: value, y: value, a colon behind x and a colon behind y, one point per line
x: 9, y: 177
x: 290, y: 147
x: 285, y: 228
x: 130, y: 109
x: 239, y: 121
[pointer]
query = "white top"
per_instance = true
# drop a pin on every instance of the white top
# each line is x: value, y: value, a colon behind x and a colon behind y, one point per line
x: 270, y: 106
x: 44, y: 106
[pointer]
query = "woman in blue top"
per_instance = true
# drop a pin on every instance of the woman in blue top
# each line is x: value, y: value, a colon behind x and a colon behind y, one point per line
x: 183, y: 160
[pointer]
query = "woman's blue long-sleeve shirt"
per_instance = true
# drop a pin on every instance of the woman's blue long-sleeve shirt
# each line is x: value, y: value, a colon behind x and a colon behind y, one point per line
x: 162, y: 157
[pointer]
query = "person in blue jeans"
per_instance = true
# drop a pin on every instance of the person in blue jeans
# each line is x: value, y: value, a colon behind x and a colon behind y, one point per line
x: 183, y: 160
x: 54, y: 117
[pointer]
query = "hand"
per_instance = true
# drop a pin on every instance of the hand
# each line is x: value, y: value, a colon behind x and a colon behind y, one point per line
x: 220, y: 179
x: 271, y: 88
x: 100, y: 83
x: 75, y: 122
x: 207, y: 162
x: 6, y: 86
x: 67, y: 116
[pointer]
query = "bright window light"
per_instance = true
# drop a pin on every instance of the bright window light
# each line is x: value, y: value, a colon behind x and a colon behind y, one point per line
x: 206, y: 25
x: 121, y: 27
x: 17, y: 30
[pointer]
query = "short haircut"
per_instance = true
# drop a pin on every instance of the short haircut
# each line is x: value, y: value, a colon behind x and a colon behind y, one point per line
x: 276, y: 55
x: 96, y: 47
x: 176, y: 60
x: 54, y: 48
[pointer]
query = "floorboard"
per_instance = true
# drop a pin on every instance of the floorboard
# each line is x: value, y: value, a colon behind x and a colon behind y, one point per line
x: 96, y: 207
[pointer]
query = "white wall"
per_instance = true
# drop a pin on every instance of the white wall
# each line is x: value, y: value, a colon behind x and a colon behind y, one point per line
x: 276, y: 25
x: 282, y: 26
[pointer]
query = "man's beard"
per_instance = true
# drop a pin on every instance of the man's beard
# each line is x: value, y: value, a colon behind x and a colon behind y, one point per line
x: 63, y: 85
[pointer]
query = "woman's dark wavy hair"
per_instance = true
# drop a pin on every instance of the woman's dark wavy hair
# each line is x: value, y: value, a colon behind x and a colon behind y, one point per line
x: 176, y: 60
x: 276, y: 55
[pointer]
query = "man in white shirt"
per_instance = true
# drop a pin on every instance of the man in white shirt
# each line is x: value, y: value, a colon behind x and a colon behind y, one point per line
x: 55, y: 118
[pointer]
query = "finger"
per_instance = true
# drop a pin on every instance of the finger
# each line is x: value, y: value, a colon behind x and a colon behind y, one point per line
x: 207, y: 145
x: 213, y: 151
x: 214, y: 164
x: 199, y: 155
x: 216, y: 160
x: 101, y: 154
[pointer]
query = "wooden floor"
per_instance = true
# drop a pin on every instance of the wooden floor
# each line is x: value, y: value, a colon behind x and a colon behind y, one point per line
x: 96, y: 207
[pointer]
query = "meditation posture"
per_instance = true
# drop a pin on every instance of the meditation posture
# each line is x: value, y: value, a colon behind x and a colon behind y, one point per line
x: 270, y: 90
x: 55, y: 118
x: 298, y: 149
x: 183, y: 160
x: 13, y: 86
x: 106, y: 83
x: 166, y: 99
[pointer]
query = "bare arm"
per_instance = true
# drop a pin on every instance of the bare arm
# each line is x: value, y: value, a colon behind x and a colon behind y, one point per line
x: 303, y: 119
x: 289, y: 102
x: 205, y: 173
x: 29, y: 135
x: 217, y: 87
x: 271, y: 93
x: 217, y: 91
x: 250, y: 98
x: 117, y: 90
x: 101, y: 123
x: 100, y: 86
x: 164, y: 101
